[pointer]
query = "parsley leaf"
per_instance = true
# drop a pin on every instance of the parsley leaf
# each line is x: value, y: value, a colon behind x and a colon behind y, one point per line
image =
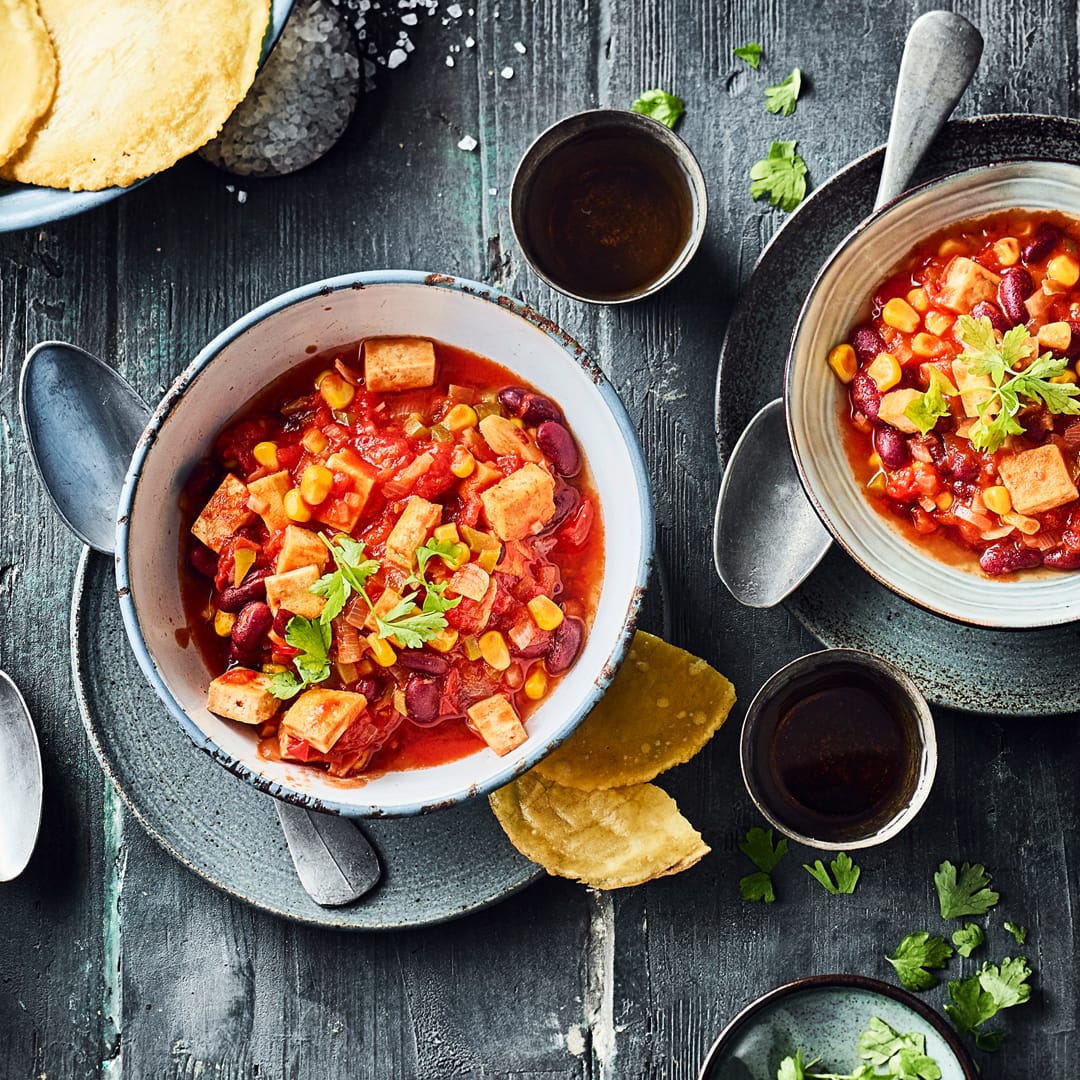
x: 844, y: 871
x: 434, y: 600
x: 758, y: 848
x: 750, y: 52
x: 794, y: 1068
x: 661, y: 106
x: 351, y: 575
x: 1018, y: 932
x: 928, y: 408
x: 904, y: 1056
x: 781, y: 176
x: 312, y: 638
x: 757, y: 886
x: 968, y: 938
x: 782, y: 97
x: 980, y: 997
x: 966, y: 894
x: 915, y: 955
x: 408, y: 624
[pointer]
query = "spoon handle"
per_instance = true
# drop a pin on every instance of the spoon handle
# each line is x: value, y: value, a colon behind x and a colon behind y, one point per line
x: 940, y: 57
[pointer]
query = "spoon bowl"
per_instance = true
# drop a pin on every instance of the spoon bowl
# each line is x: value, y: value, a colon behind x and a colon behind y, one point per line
x: 20, y: 781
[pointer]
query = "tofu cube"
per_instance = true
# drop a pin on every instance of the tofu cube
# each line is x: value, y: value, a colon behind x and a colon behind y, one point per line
x: 301, y: 547
x: 471, y: 581
x: 344, y: 513
x: 291, y: 591
x: 321, y: 717
x: 226, y: 512
x: 893, y: 405
x: 243, y: 695
x: 505, y: 437
x: 498, y: 724
x: 1037, y: 480
x: 521, y: 504
x: 411, y: 531
x: 966, y: 283
x: 266, y: 497
x: 974, y: 389
x: 398, y: 364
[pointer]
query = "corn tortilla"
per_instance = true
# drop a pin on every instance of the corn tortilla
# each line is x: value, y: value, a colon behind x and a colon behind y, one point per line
x: 142, y: 83
x: 607, y: 839
x: 663, y: 706
x: 27, y: 72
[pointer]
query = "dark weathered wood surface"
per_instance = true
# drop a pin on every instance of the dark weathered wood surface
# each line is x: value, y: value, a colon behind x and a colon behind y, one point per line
x: 114, y: 961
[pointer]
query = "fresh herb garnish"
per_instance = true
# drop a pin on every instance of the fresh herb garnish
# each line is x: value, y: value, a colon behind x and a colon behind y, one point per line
x: 351, y: 575
x: 781, y: 176
x: 977, y: 999
x: 781, y: 98
x: 434, y: 600
x: 967, y: 893
x: 903, y: 1057
x: 750, y: 52
x: 968, y: 938
x: 759, y: 849
x: 312, y: 638
x: 928, y: 408
x: 914, y: 958
x: 660, y: 105
x: 845, y: 872
x: 985, y: 356
x: 1018, y: 932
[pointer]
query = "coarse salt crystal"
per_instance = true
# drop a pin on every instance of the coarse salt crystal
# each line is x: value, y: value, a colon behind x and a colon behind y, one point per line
x: 507, y: 72
x: 454, y: 11
x: 241, y: 196
x: 493, y: 191
x: 470, y: 42
x: 449, y: 61
x: 519, y: 47
x: 396, y: 58
x: 468, y: 143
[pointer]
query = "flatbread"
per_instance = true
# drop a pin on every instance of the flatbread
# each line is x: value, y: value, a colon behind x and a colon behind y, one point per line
x: 142, y: 83
x: 27, y: 72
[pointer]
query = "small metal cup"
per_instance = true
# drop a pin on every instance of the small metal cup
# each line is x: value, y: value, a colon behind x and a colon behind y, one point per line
x: 537, y: 161
x: 901, y: 694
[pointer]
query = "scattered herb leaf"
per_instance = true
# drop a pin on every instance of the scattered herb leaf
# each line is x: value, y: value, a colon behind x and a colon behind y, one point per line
x: 794, y: 1068
x: 980, y: 997
x: 750, y: 52
x: 845, y: 872
x: 915, y: 956
x: 781, y: 176
x: 968, y: 938
x: 408, y: 624
x: 434, y: 600
x: 312, y: 638
x: 758, y: 847
x: 928, y: 408
x: 903, y: 1057
x: 967, y: 893
x: 1018, y: 932
x: 757, y: 886
x: 351, y: 575
x: 781, y: 98
x: 660, y: 105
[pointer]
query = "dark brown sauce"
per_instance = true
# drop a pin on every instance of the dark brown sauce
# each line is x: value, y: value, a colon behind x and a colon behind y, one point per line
x: 842, y: 756
x: 608, y: 215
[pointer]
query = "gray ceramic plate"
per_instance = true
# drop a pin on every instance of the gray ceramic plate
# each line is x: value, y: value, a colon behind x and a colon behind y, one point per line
x: 822, y: 1016
x: 1025, y: 672
x: 435, y: 867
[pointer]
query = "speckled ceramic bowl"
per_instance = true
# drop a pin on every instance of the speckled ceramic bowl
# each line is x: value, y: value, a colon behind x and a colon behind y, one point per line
x: 838, y: 300
x: 822, y: 1016
x: 253, y: 352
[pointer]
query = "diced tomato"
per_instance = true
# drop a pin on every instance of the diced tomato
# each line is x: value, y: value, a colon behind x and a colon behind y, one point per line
x: 438, y: 479
x: 289, y: 456
x: 299, y: 749
x: 237, y: 443
x: 924, y: 522
x: 576, y: 531
x: 900, y: 484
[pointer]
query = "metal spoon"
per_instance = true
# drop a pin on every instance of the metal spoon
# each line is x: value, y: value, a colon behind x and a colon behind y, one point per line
x: 767, y: 538
x: 20, y: 781
x: 82, y: 422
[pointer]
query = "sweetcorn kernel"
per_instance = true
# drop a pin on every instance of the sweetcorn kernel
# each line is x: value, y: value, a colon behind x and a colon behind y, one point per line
x: 462, y: 464
x: 223, y: 623
x: 950, y: 247
x: 997, y: 500
x: 900, y: 315
x: 1007, y: 251
x: 843, y: 362
x: 937, y: 322
x: 944, y: 500
x: 1067, y: 376
x: 884, y: 369
x: 444, y: 640
x: 494, y: 651
x: 918, y: 299
x: 265, y: 454
x: 336, y: 392
x: 927, y: 345
x: 294, y: 506
x: 381, y: 650
x: 459, y: 418
x: 1055, y: 335
x: 1063, y: 269
x: 1027, y: 525
x: 315, y: 484
x: 536, y: 684
x: 545, y: 612
x: 314, y: 441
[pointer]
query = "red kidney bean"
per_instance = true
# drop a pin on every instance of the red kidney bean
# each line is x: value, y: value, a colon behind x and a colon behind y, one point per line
x: 867, y: 343
x: 566, y: 641
x: 422, y: 696
x: 566, y: 502
x: 537, y: 648
x: 252, y: 588
x: 960, y: 461
x: 1073, y: 351
x: 985, y: 310
x: 281, y: 621
x: 425, y: 662
x: 1062, y: 558
x: 866, y: 395
x: 535, y: 409
x: 892, y: 447
x: 1005, y: 558
x: 1013, y: 289
x: 510, y: 399
x: 559, y: 447
x: 370, y: 687
x: 935, y: 447
x: 204, y: 561
x: 1041, y: 244
x: 251, y: 626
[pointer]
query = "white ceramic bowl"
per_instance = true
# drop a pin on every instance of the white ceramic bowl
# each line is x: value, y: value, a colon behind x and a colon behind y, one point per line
x: 253, y: 352
x: 839, y: 299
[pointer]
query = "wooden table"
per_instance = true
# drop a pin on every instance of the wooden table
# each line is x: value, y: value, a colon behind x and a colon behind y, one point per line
x: 115, y: 961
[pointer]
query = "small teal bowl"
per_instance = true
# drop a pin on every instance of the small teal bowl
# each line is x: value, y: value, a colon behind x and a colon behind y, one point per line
x: 263, y: 345
x: 823, y: 1015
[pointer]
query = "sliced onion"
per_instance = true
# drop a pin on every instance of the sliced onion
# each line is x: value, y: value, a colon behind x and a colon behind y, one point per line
x: 928, y: 504
x: 996, y: 534
x: 972, y: 517
x: 1041, y: 541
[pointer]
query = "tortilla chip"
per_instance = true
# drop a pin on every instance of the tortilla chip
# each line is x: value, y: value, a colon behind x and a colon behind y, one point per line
x: 607, y: 839
x: 664, y: 705
x: 142, y: 83
x: 27, y: 72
